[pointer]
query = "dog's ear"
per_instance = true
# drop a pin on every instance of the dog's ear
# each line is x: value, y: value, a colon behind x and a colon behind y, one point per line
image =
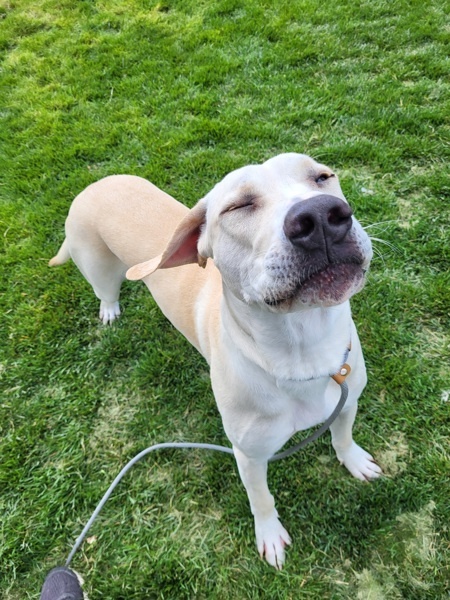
x: 181, y: 249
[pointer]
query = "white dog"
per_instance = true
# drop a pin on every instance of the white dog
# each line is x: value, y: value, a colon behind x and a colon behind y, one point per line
x: 271, y: 314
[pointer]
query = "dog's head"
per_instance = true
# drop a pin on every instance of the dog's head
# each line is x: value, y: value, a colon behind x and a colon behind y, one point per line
x: 281, y: 234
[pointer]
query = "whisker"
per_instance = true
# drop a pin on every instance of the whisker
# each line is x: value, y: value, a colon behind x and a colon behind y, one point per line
x: 379, y: 254
x: 390, y: 245
x: 379, y: 223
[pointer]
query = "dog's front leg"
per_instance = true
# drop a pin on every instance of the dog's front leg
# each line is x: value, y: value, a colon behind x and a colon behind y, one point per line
x: 359, y: 462
x: 271, y: 536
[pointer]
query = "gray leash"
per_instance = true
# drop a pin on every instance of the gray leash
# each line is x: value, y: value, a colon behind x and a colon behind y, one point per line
x: 214, y: 447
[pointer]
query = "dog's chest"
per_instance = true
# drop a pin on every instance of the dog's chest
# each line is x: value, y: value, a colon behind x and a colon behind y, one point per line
x: 306, y: 403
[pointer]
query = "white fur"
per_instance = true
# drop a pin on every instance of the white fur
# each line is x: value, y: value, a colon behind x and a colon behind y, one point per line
x: 270, y: 361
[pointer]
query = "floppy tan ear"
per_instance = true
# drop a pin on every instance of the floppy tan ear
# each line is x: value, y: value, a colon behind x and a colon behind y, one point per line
x: 181, y: 249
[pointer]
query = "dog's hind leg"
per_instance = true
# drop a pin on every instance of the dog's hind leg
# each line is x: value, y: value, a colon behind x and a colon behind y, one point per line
x: 105, y: 272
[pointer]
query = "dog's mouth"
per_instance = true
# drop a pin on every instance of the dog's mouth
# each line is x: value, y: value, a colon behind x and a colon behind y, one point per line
x: 328, y: 286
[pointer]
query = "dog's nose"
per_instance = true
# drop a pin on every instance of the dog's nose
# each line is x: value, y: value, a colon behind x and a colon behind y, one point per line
x: 314, y: 223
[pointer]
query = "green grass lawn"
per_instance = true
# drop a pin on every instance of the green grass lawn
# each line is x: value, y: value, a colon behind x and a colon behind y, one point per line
x: 181, y: 92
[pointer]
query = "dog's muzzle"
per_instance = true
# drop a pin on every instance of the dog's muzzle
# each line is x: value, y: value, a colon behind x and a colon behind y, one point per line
x: 326, y: 263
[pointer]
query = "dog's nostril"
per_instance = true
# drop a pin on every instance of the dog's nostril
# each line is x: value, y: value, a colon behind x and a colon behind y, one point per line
x: 298, y: 227
x: 339, y: 214
x: 305, y: 226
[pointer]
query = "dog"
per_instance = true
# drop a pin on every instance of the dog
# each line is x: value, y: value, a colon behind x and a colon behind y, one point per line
x: 281, y: 254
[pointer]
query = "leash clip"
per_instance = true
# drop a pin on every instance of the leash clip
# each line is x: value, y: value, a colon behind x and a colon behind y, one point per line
x: 342, y: 374
x: 345, y: 369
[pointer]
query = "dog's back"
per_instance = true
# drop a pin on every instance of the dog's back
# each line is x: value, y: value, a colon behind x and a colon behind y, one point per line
x: 123, y: 220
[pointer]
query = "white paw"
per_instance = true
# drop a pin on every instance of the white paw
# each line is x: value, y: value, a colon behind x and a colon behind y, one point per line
x: 271, y: 540
x: 359, y: 462
x: 109, y: 311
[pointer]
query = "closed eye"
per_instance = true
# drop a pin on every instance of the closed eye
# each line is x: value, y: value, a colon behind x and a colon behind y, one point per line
x: 323, y: 177
x: 246, y: 201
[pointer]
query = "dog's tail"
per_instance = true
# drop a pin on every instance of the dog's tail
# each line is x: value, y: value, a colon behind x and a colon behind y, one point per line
x: 62, y: 256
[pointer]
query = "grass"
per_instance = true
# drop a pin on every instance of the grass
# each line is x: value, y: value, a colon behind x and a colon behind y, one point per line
x: 181, y: 92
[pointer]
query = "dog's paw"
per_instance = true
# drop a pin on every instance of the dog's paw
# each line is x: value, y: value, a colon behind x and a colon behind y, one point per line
x: 271, y: 540
x: 359, y: 462
x: 109, y: 311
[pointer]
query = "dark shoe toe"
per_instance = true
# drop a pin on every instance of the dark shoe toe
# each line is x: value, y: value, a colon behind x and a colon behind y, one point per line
x: 61, y: 584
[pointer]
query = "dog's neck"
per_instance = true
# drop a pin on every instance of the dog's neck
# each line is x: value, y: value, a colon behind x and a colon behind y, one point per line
x: 300, y: 346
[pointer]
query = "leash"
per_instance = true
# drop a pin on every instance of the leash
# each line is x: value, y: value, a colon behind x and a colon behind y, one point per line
x: 338, y: 377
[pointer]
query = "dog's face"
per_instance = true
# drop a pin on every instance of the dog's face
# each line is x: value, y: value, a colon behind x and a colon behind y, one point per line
x: 283, y: 235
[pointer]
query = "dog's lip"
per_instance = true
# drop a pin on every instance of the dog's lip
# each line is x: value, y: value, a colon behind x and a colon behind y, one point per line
x: 355, y: 268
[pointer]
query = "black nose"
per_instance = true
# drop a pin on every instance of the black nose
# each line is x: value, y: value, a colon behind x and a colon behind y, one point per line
x: 318, y: 222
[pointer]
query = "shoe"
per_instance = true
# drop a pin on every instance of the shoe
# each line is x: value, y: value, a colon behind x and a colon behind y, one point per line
x: 62, y: 584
